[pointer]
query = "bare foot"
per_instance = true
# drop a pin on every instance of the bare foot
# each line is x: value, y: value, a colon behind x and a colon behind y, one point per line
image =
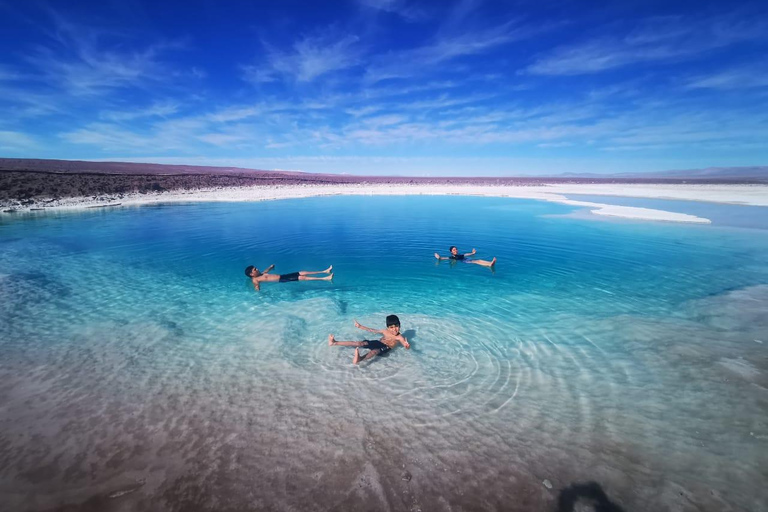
x: 493, y: 261
x: 329, y: 278
x: 331, y: 340
x: 328, y: 270
x: 356, y: 359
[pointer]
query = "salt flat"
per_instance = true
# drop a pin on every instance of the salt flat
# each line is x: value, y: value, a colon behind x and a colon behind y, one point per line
x: 753, y: 195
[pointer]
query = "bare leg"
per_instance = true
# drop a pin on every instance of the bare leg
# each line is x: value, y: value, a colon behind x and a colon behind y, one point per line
x: 332, y: 341
x: 484, y: 263
x: 302, y: 277
x: 310, y: 272
x: 357, y: 359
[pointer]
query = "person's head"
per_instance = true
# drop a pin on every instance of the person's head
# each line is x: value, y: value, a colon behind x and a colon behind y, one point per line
x: 393, y: 324
x: 454, y: 250
x: 252, y: 271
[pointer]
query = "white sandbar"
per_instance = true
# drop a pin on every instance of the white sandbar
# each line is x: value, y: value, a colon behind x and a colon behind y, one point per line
x: 754, y: 195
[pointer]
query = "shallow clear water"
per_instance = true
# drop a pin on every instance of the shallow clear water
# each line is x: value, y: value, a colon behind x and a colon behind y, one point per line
x: 137, y: 357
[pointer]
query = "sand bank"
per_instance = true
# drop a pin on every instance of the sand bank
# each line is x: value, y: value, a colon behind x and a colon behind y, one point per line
x: 755, y: 195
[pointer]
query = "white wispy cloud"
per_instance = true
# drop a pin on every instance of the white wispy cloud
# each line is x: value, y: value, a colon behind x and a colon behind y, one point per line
x: 86, y: 60
x: 555, y: 144
x: 222, y: 139
x: 743, y: 77
x: 108, y: 137
x: 9, y: 74
x: 407, y: 10
x: 235, y: 113
x: 17, y: 141
x: 444, y: 101
x: 659, y: 39
x: 308, y: 59
x: 17, y: 102
x: 445, y: 47
x: 385, y: 120
x: 158, y: 109
x: 363, y: 111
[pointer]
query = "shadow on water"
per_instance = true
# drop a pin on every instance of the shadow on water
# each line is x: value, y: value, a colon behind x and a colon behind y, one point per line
x: 589, y: 493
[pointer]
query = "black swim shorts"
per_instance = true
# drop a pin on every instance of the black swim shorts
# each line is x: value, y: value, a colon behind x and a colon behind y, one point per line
x: 285, y: 278
x: 376, y: 345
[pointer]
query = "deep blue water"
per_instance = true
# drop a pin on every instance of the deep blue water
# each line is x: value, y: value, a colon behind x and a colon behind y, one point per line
x: 628, y: 352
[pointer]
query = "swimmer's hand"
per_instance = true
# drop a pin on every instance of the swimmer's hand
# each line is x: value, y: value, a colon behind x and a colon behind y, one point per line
x: 437, y: 256
x: 405, y: 342
x: 474, y: 251
x: 358, y: 325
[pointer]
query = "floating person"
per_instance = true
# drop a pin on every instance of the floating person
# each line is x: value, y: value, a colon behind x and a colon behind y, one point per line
x: 390, y: 337
x: 258, y: 276
x: 457, y: 256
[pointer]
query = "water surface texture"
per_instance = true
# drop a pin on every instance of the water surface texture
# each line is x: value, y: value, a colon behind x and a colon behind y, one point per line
x: 140, y: 370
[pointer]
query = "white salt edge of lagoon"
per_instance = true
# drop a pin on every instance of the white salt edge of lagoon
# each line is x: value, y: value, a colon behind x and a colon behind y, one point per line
x: 753, y: 195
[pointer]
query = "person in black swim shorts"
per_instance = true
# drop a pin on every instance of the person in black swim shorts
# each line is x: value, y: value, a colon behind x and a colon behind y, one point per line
x: 390, y: 337
x: 258, y: 277
x: 457, y: 256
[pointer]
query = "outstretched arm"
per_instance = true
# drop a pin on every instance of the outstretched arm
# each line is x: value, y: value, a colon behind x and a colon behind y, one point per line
x: 441, y: 257
x: 360, y: 326
x: 403, y: 341
x: 268, y: 268
x: 470, y: 253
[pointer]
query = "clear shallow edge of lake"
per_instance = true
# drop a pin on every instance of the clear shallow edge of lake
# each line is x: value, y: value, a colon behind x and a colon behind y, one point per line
x: 631, y: 354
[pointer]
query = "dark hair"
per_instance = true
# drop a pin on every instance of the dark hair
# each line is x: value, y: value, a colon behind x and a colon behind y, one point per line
x: 248, y: 270
x: 452, y: 248
x: 393, y: 320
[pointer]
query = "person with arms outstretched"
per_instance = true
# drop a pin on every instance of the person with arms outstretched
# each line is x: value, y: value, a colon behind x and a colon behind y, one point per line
x: 258, y: 277
x: 390, y: 337
x: 457, y: 256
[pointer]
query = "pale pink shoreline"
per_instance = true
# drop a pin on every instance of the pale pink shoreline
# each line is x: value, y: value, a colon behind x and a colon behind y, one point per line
x: 753, y: 195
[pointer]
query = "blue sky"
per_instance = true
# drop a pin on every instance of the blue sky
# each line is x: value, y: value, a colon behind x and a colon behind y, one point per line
x: 387, y: 86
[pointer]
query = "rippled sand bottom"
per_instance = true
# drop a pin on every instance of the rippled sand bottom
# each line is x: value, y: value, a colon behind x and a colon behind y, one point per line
x: 282, y: 421
x: 139, y: 370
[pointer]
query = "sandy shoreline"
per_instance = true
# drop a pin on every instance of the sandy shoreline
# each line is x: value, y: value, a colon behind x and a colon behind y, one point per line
x: 753, y: 195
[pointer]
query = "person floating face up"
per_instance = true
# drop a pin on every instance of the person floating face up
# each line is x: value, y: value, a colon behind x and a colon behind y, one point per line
x: 465, y: 257
x: 390, y: 337
x: 258, y: 277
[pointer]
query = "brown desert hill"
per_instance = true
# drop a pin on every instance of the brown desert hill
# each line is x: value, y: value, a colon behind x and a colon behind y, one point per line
x: 27, y: 182
x: 91, y: 167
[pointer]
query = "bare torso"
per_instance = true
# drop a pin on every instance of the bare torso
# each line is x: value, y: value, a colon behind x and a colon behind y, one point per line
x: 390, y: 340
x: 269, y: 278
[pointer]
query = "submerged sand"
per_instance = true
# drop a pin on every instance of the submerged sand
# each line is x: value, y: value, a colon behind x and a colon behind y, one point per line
x: 753, y: 195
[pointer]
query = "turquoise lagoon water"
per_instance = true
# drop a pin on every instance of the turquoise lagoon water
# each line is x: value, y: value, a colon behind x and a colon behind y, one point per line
x: 139, y: 369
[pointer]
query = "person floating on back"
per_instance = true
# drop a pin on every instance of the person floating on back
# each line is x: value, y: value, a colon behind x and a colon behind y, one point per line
x: 456, y: 256
x: 390, y: 337
x: 258, y: 276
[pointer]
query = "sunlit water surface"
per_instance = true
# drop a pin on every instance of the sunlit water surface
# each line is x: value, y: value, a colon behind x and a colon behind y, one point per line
x: 139, y: 369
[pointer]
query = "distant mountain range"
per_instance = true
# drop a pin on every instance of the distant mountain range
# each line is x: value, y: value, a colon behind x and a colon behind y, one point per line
x: 733, y: 173
x: 713, y: 174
